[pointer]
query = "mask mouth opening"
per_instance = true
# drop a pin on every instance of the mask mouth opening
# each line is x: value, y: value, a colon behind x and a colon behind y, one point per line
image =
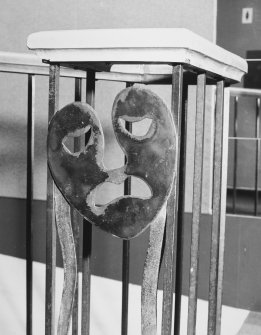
x: 77, y: 141
x: 109, y: 192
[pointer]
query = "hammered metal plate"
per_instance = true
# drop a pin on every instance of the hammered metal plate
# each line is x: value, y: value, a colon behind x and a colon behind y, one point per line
x: 151, y: 157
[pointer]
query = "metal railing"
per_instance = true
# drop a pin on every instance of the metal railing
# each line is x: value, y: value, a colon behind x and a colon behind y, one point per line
x: 244, y: 199
x: 31, y: 67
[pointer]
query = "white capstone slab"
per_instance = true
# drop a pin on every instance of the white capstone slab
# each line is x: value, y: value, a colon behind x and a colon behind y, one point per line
x: 137, y: 45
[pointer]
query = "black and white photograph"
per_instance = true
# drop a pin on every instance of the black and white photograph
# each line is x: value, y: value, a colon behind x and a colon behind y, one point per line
x: 130, y: 167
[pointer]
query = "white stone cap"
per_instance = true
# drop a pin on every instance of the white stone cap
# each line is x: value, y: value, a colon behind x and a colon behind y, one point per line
x: 137, y: 46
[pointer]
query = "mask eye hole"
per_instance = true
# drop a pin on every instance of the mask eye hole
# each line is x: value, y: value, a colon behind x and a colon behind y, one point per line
x: 140, y: 127
x: 77, y: 139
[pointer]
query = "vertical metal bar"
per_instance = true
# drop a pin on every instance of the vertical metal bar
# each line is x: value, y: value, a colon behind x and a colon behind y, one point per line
x: 172, y: 207
x: 125, y: 256
x: 125, y: 284
x: 87, y: 233
x: 76, y: 222
x: 125, y: 262
x: 235, y: 154
x: 257, y: 153
x: 50, y: 218
x: 78, y: 89
x: 213, y: 278
x: 29, y: 200
x: 180, y: 224
x: 196, y: 208
x: 223, y: 203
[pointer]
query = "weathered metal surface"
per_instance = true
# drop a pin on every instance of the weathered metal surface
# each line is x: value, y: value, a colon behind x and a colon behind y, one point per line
x: 257, y: 155
x: 76, y: 220
x: 87, y: 230
x: 214, y: 262
x: 223, y: 201
x: 150, y: 275
x: 179, y: 241
x: 65, y: 233
x: 126, y: 255
x: 50, y: 224
x: 172, y: 207
x: 29, y: 199
x: 151, y: 157
x: 235, y: 154
x: 196, y: 209
x: 125, y: 286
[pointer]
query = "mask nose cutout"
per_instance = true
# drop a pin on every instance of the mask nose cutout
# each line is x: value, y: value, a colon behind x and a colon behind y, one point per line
x: 110, y: 191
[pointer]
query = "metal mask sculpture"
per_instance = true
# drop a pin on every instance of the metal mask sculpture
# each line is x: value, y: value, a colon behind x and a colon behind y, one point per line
x: 151, y: 157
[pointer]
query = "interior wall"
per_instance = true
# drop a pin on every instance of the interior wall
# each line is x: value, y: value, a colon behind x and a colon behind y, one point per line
x: 232, y: 34
x: 19, y: 19
x: 238, y: 38
x: 242, y: 258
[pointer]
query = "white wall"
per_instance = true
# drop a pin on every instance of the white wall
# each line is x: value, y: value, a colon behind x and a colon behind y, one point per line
x: 20, y: 18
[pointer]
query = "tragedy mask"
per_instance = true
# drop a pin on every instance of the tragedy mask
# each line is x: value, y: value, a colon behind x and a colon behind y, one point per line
x: 151, y: 157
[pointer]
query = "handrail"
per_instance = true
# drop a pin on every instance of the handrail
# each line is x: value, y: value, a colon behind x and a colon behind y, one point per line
x: 26, y: 63
x: 244, y: 92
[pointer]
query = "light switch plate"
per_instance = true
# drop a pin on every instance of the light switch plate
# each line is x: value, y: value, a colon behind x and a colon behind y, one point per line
x: 247, y: 15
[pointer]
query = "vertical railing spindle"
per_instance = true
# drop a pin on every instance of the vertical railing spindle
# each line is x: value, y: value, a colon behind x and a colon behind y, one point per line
x: 223, y: 204
x: 257, y: 153
x: 87, y: 232
x: 196, y: 208
x: 50, y: 216
x: 76, y: 222
x: 125, y: 280
x: 172, y: 207
x: 29, y: 200
x: 235, y: 154
x: 180, y: 224
x: 125, y: 256
x: 216, y: 215
x: 125, y: 261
